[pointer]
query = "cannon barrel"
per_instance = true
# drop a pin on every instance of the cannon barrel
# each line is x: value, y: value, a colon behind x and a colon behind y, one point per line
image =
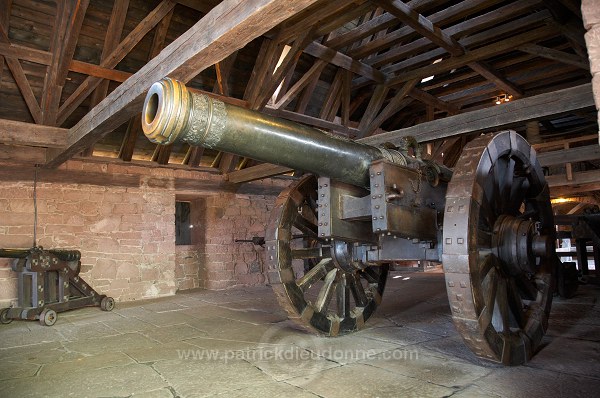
x: 172, y: 113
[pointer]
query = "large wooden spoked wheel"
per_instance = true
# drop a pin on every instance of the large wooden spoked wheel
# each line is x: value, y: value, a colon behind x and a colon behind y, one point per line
x: 498, y: 250
x: 314, y: 289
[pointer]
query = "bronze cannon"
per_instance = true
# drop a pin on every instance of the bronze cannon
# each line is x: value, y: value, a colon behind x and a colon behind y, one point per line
x: 333, y: 234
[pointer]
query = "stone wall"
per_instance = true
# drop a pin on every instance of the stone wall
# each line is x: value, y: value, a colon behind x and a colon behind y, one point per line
x: 127, y: 234
x: 230, y: 217
x: 590, y: 11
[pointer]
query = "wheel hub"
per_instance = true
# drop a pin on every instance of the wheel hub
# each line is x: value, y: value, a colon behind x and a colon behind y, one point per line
x: 344, y: 257
x: 517, y: 243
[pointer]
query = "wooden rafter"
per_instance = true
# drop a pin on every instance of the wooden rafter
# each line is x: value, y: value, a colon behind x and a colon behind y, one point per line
x: 232, y: 25
x: 5, y: 10
x: 193, y: 156
x: 21, y: 133
x: 555, y: 55
x: 312, y: 74
x: 22, y: 83
x: 530, y: 108
x: 288, y: 63
x: 475, y: 55
x: 124, y: 47
x: 397, y: 102
x: 433, y: 101
x: 69, y: 18
x: 223, y: 70
x: 111, y: 41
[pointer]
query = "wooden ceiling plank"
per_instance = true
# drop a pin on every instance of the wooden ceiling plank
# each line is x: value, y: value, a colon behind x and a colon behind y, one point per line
x: 21, y: 133
x: 555, y: 55
x: 368, y: 28
x: 425, y: 27
x: 124, y: 47
x: 258, y: 172
x: 312, y: 74
x: 421, y: 25
x: 530, y: 108
x: 398, y: 102
x: 463, y: 28
x: 67, y: 25
x: 351, y: 13
x: 479, y: 54
x: 232, y: 24
x: 454, y: 12
x: 475, y: 39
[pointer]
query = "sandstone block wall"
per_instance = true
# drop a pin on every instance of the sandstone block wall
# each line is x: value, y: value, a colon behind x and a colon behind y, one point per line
x: 126, y: 234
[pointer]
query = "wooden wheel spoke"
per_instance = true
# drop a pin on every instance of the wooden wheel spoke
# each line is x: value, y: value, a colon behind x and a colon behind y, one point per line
x: 502, y: 303
x: 527, y: 287
x: 484, y: 238
x: 358, y: 291
x: 515, y: 303
x: 316, y: 273
x: 343, y: 296
x: 371, y: 275
x: 487, y: 264
x: 490, y: 289
x: 507, y: 184
x: 305, y: 225
x: 326, y: 292
x: 307, y: 252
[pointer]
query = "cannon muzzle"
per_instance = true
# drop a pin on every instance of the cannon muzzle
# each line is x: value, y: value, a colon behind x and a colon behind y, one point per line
x: 172, y: 113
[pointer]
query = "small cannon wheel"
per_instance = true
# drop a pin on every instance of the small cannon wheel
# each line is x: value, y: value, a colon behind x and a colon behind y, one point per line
x: 499, y: 256
x: 48, y: 317
x: 107, y: 304
x: 315, y: 293
x: 4, y: 319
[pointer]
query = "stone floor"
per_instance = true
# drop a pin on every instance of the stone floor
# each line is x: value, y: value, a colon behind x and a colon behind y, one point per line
x: 238, y: 343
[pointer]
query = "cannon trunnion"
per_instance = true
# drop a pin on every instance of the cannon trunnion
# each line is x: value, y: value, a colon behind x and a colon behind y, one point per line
x: 333, y: 235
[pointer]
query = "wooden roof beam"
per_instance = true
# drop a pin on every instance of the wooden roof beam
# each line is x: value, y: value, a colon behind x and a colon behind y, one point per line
x: 426, y: 98
x: 67, y: 25
x: 126, y: 45
x: 232, y: 25
x: 555, y: 55
x: 4, y: 17
x: 570, y: 155
x: 493, y: 118
x: 22, y: 133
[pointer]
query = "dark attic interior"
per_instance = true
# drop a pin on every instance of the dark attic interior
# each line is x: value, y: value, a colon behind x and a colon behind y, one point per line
x: 307, y: 198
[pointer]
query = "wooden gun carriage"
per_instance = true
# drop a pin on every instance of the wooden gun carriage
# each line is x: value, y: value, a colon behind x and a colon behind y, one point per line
x: 331, y: 239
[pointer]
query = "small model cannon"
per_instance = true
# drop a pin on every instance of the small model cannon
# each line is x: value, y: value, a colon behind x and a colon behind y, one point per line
x: 489, y: 221
x: 49, y: 282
